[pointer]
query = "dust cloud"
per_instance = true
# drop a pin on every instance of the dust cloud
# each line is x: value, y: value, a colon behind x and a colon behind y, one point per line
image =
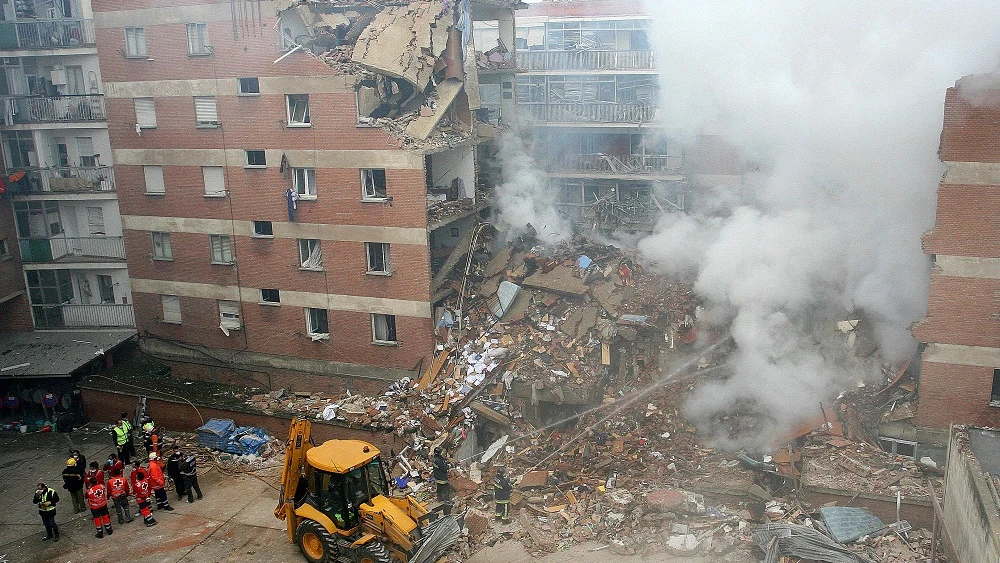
x: 838, y: 107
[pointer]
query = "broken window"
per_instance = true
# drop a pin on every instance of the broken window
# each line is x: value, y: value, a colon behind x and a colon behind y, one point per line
x: 229, y: 315
x: 162, y: 249
x: 385, y: 96
x: 249, y: 85
x: 898, y: 447
x: 995, y: 394
x: 270, y: 296
x: 373, y: 183
x: 262, y: 229
x: 197, y: 36
x: 206, y: 111
x: 298, y: 109
x: 171, y: 308
x: 135, y: 42
x: 310, y: 254
x: 317, y: 323
x: 378, y: 258
x: 304, y: 180
x: 383, y: 328
x: 256, y: 158
x: 222, y: 249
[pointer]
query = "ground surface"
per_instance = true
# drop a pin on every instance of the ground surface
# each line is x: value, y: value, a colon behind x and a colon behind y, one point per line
x: 233, y: 523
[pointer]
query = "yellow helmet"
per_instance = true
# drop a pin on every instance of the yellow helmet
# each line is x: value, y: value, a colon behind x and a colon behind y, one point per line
x: 71, y: 461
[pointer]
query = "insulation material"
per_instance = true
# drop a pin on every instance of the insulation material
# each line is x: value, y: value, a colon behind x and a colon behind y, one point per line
x: 405, y: 41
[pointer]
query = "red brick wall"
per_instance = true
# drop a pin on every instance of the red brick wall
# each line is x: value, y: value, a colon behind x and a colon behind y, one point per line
x: 970, y: 126
x: 273, y: 379
x: 968, y: 221
x: 15, y: 314
x: 961, y: 311
x: 955, y: 393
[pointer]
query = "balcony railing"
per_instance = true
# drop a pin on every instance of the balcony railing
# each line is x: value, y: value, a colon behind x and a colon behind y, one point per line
x: 48, y: 109
x: 64, y: 179
x: 612, y: 164
x: 83, y: 316
x: 70, y: 249
x: 585, y: 60
x: 590, y: 112
x: 46, y: 34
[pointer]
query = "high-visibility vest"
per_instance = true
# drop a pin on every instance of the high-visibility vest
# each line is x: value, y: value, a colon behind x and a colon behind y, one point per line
x: 121, y: 433
x: 47, y: 497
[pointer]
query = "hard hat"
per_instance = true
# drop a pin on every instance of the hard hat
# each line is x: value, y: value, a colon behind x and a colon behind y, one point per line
x: 152, y: 455
x: 148, y: 427
x: 71, y: 462
x: 437, y: 450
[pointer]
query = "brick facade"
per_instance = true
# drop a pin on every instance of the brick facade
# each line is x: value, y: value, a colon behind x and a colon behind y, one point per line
x: 15, y: 314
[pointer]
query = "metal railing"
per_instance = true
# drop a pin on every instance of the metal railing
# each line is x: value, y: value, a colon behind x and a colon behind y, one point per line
x: 86, y: 316
x: 590, y: 112
x: 45, y: 109
x: 69, y: 248
x: 61, y: 179
x: 47, y: 34
x: 612, y: 164
x: 585, y: 60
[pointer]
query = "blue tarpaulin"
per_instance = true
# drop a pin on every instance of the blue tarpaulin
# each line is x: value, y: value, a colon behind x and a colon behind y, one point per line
x: 246, y: 440
x: 215, y: 433
x: 849, y: 523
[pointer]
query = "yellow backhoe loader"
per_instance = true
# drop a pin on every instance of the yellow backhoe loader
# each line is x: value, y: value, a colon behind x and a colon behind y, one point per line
x: 336, y: 501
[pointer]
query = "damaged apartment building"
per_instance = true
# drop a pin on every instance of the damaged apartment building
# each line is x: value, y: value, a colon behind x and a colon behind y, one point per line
x: 293, y: 173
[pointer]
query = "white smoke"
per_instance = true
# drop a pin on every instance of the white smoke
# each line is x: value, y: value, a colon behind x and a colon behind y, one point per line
x: 841, y: 104
x: 525, y: 198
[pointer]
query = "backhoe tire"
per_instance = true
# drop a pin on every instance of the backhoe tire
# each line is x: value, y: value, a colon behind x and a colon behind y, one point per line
x: 315, y: 543
x: 373, y: 552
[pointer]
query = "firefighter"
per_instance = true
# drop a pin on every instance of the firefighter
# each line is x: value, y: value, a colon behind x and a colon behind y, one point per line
x: 153, y: 442
x: 97, y: 499
x: 189, y: 471
x: 174, y: 470
x: 119, y: 490
x: 157, y: 482
x: 142, y: 490
x: 501, y: 494
x: 46, y: 498
x: 73, y: 482
x: 440, y: 474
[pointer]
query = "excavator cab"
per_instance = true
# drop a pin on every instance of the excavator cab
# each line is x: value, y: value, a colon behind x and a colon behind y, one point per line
x: 340, y: 495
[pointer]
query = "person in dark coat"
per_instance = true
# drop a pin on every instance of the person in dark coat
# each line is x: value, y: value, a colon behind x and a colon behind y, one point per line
x: 501, y: 494
x: 73, y: 482
x: 440, y: 474
x: 81, y: 461
x: 189, y: 471
x: 174, y: 471
x: 46, y: 498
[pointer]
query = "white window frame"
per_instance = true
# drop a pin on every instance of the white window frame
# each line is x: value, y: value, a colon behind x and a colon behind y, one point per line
x: 145, y: 112
x: 242, y: 92
x: 894, y: 446
x: 384, y: 342
x: 206, y: 111
x: 221, y: 248
x: 154, y: 180
x: 386, y: 259
x: 135, y: 43
x: 368, y: 190
x: 247, y: 161
x: 197, y: 39
x: 304, y: 181
x: 171, y: 305
x: 265, y: 301
x: 215, y: 180
x: 262, y: 235
x: 311, y: 330
x: 166, y: 246
x: 298, y: 116
x: 229, y: 314
x: 309, y: 250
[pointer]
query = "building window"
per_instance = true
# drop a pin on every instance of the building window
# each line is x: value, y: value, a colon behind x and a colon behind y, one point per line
x: 249, y: 86
x: 197, y: 34
x: 222, y: 249
x: 262, y: 229
x: 995, y: 393
x: 256, y: 159
x: 135, y: 42
x: 305, y: 182
x: 270, y: 296
x: 378, y: 258
x: 310, y: 254
x: 154, y: 180
x: 4, y: 250
x: 317, y: 324
x: 171, y: 308
x: 145, y: 112
x: 162, y: 250
x: 373, y: 183
x: 206, y: 111
x: 229, y: 315
x: 898, y: 447
x: 215, y: 180
x: 383, y: 329
x: 454, y: 232
x: 298, y: 109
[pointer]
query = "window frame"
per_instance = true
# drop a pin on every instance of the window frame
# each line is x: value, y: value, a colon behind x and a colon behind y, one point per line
x: 206, y: 124
x: 205, y: 179
x: 156, y: 172
x: 232, y: 314
x: 257, y: 234
x: 163, y: 317
x: 311, y: 331
x: 270, y: 302
x: 144, y: 54
x: 303, y: 244
x: 386, y: 259
x: 306, y: 120
x: 308, y: 177
x: 995, y: 391
x: 167, y: 250
x: 225, y: 243
x: 368, y: 173
x: 390, y: 327
x: 242, y: 92
x: 152, y: 108
x: 247, y: 164
x: 201, y: 29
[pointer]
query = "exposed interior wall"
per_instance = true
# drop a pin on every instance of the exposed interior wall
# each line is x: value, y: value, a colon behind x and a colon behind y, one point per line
x: 446, y: 166
x: 971, y: 516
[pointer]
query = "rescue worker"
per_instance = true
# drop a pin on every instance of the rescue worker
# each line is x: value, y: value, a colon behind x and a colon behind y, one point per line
x: 73, y: 482
x: 174, y: 470
x: 46, y: 498
x: 189, y: 471
x: 142, y: 491
x: 119, y: 490
x: 81, y: 461
x: 123, y: 438
x: 440, y: 474
x: 97, y: 499
x: 113, y: 465
x: 94, y: 474
x: 501, y: 494
x: 152, y: 434
x: 157, y: 482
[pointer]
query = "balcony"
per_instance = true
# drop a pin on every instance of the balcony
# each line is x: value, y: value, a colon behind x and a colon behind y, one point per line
x: 633, y: 164
x: 72, y: 249
x: 590, y: 112
x: 53, y: 109
x: 585, y: 60
x: 46, y: 34
x: 64, y: 179
x: 83, y: 316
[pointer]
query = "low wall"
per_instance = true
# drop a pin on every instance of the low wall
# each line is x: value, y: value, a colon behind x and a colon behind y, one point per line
x: 971, y: 518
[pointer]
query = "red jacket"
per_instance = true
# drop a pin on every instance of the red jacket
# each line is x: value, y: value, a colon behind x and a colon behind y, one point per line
x: 118, y: 467
x: 95, y: 476
x: 140, y: 487
x: 97, y: 496
x: 156, y: 480
x: 118, y: 486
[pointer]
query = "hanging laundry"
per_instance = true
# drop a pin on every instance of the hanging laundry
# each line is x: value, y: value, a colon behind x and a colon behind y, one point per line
x: 292, y: 197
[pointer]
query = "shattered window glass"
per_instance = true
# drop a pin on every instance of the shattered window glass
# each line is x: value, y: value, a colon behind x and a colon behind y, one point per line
x: 298, y: 109
x: 378, y: 257
x: 316, y: 321
x: 310, y: 254
x: 373, y: 181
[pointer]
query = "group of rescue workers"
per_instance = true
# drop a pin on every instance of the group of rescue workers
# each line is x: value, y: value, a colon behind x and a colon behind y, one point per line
x: 94, y: 487
x: 502, y: 485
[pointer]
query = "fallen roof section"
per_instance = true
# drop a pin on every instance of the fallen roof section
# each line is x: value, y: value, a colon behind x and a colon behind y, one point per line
x: 405, y: 41
x: 55, y: 354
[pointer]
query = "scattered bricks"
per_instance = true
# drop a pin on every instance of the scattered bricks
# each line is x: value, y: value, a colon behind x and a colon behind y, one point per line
x: 533, y: 479
x: 665, y: 500
x: 477, y: 523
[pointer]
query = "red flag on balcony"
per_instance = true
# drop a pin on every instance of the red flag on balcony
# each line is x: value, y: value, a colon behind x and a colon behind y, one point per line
x: 17, y: 176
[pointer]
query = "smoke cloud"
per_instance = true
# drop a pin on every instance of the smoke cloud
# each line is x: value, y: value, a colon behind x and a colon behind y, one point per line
x: 524, y: 197
x: 839, y: 104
